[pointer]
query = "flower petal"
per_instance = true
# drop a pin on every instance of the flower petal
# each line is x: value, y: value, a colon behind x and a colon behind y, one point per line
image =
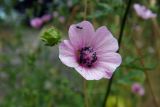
x: 143, y: 12
x: 109, y: 61
x: 91, y: 73
x: 66, y: 54
x: 149, y: 14
x: 81, y: 33
x: 138, y: 9
x: 104, y: 41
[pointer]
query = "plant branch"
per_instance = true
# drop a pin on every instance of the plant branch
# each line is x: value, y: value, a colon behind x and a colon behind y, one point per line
x: 85, y: 9
x: 147, y: 76
x: 119, y: 43
x: 84, y: 81
x: 85, y: 93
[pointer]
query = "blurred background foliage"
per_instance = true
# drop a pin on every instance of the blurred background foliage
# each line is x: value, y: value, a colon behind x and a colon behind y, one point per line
x: 31, y: 74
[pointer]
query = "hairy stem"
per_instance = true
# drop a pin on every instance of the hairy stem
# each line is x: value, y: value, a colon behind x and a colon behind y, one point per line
x: 85, y: 9
x: 85, y: 93
x: 147, y: 76
x: 119, y: 43
x: 84, y: 81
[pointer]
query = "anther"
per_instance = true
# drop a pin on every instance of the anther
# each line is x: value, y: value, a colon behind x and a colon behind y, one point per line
x: 87, y: 57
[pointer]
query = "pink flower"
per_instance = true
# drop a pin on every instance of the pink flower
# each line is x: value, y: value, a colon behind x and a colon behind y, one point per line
x: 138, y: 89
x: 92, y: 53
x: 36, y: 22
x: 46, y: 17
x: 143, y: 12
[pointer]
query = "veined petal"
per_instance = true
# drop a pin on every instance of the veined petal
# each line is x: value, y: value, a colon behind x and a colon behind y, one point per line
x: 80, y: 34
x: 92, y: 54
x: 91, y: 73
x: 104, y: 41
x: 67, y: 54
x: 109, y: 61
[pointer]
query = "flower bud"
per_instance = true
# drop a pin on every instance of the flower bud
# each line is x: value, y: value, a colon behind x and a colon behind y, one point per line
x: 50, y: 36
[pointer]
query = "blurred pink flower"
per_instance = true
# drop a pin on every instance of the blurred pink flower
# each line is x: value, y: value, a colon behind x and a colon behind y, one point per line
x: 36, y: 22
x: 92, y: 53
x: 62, y: 19
x: 46, y: 17
x: 138, y: 89
x: 143, y: 12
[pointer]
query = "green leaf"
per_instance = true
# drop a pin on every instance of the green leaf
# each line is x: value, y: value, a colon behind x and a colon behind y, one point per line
x: 104, y: 6
x: 131, y: 77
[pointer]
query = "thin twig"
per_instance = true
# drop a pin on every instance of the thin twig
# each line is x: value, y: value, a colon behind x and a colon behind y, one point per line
x: 73, y: 14
x: 84, y: 81
x: 85, y: 93
x: 147, y: 75
x: 119, y: 43
x: 85, y: 9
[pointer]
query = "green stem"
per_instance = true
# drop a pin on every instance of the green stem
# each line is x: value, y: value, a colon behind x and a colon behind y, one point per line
x: 84, y: 81
x: 147, y: 76
x: 85, y: 9
x: 85, y: 93
x: 119, y: 43
x: 151, y: 89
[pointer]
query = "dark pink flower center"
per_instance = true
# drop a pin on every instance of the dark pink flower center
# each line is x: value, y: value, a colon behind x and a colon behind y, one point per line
x: 137, y: 89
x: 87, y: 57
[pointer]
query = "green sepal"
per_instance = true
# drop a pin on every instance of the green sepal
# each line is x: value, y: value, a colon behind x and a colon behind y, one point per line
x: 50, y: 36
